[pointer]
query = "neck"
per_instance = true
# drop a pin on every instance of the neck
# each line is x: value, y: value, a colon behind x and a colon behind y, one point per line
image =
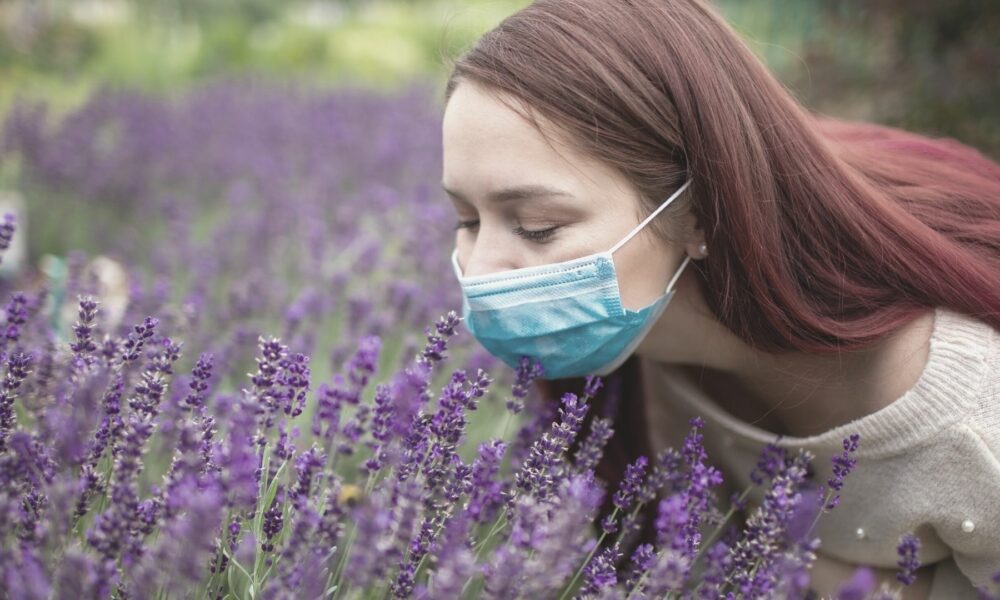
x: 806, y: 393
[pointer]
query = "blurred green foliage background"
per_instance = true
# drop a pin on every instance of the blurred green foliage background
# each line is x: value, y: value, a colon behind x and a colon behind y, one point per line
x: 927, y: 65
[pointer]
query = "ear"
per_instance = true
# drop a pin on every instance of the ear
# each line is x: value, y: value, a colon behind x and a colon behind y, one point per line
x: 692, y: 235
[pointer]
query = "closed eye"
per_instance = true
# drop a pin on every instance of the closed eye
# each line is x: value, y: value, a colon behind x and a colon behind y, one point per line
x: 535, y: 235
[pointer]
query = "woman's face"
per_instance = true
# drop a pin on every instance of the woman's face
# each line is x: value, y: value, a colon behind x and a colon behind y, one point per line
x: 520, y: 203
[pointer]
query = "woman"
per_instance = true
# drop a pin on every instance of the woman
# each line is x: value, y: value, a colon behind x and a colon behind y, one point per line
x: 606, y: 158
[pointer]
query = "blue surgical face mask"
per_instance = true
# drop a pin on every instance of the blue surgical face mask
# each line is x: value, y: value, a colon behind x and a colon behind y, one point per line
x: 566, y: 315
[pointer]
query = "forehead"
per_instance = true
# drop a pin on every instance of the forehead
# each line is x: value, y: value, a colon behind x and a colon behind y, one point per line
x: 488, y: 145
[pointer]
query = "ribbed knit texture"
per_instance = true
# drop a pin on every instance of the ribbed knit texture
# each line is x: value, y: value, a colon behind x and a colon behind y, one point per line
x: 926, y: 463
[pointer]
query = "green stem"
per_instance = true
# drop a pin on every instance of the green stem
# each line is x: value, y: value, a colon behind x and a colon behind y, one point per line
x: 497, y: 525
x: 718, y: 530
x: 593, y: 550
x: 444, y: 520
x: 343, y: 561
x: 822, y: 510
x: 638, y: 584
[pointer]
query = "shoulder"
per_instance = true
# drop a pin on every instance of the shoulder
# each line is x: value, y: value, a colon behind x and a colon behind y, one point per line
x: 965, y: 477
x: 965, y: 515
x: 982, y: 422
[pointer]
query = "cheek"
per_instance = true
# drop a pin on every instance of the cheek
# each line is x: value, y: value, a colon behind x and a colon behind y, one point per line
x: 643, y: 273
x: 463, y: 248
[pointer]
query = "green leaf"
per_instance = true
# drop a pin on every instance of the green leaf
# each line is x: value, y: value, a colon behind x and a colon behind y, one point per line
x: 232, y: 560
x: 229, y: 579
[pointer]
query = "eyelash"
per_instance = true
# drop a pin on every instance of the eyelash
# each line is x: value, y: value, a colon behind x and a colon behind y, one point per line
x: 537, y: 235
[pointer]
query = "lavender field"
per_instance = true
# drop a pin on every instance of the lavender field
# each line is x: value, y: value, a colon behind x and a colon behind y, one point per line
x: 246, y: 207
x: 232, y: 367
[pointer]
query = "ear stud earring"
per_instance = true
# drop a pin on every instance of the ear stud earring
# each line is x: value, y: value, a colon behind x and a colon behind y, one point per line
x: 703, y: 250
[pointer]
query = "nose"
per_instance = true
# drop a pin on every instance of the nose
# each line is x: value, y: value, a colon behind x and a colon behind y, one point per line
x: 475, y: 264
x: 482, y: 259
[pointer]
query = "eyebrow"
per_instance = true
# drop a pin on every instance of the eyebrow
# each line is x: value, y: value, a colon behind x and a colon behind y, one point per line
x: 520, y: 192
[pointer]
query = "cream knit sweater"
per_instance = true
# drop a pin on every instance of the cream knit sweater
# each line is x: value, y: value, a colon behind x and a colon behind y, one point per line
x: 929, y: 463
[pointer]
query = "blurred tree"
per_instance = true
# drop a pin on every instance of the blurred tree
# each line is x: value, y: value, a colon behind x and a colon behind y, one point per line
x: 931, y: 66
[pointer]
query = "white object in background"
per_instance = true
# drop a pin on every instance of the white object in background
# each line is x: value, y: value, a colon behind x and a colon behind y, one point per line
x: 12, y: 259
x: 112, y: 278
x: 111, y: 281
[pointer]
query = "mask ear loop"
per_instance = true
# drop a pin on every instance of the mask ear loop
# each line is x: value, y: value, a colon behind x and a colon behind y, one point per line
x: 680, y: 270
x: 652, y: 215
x: 646, y: 221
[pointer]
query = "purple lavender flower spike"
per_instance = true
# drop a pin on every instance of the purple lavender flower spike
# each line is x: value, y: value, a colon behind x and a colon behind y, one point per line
x: 300, y: 570
x: 791, y: 569
x: 631, y: 483
x: 7, y: 229
x: 137, y: 338
x: 487, y: 493
x: 668, y: 573
x: 455, y: 560
x: 364, y: 363
x: 353, y: 430
x: 29, y: 579
x: 382, y: 432
x: 307, y: 465
x: 771, y: 461
x: 84, y: 346
x: 592, y: 385
x: 294, y: 377
x: 17, y: 372
x: 264, y: 394
x: 766, y: 528
x: 115, y: 530
x: 201, y: 375
x: 666, y: 475
x: 718, y: 561
x: 553, y: 533
x: 843, y: 464
x: 111, y: 423
x: 526, y: 373
x: 861, y: 583
x: 642, y: 559
x: 437, y: 340
x: 237, y: 459
x: 78, y: 574
x: 284, y: 448
x: 544, y: 465
x: 699, y: 480
x: 539, y: 420
x: 273, y: 520
x: 672, y: 516
x: 17, y: 315
x: 177, y: 560
x: 402, y: 587
x: 592, y: 448
x: 600, y: 572
x: 908, y: 549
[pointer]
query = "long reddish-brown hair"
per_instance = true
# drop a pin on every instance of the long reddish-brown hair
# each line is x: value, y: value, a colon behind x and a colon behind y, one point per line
x: 823, y: 235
